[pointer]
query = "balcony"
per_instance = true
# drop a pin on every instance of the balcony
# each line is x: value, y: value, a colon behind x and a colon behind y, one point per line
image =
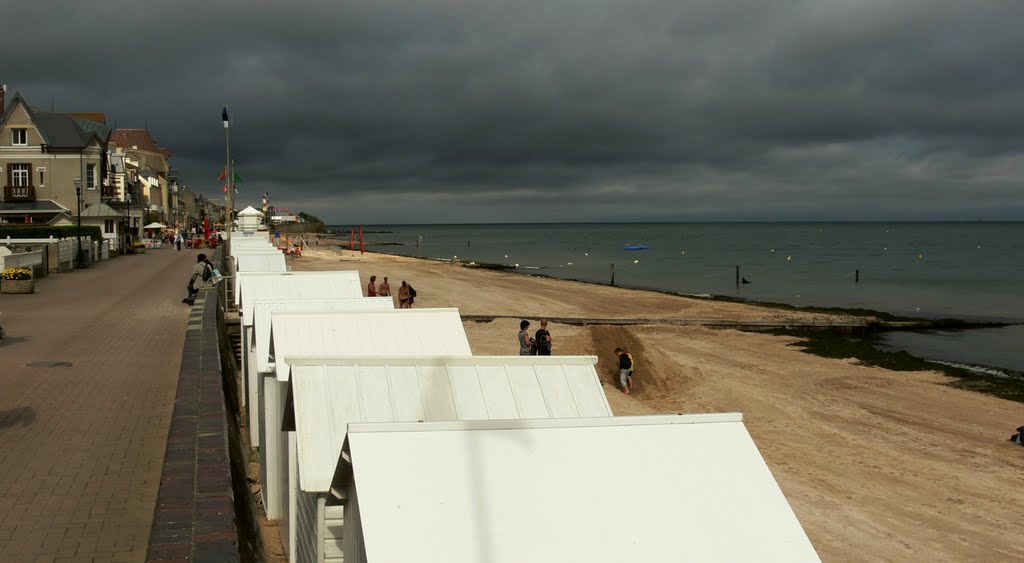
x: 19, y: 193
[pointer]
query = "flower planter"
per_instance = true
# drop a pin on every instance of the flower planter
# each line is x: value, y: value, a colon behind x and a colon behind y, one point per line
x: 18, y: 286
x: 141, y: 250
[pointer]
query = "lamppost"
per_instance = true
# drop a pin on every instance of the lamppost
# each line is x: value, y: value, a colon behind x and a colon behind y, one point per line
x: 128, y: 229
x: 78, y: 200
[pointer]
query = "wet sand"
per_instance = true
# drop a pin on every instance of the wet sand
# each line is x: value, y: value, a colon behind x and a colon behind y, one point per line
x: 878, y: 465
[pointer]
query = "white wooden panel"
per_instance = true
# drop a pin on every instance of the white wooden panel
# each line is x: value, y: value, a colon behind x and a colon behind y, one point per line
x: 589, y: 396
x: 529, y: 398
x: 557, y: 395
x: 466, y: 392
x: 405, y: 393
x: 383, y: 333
x: 497, y: 393
x: 437, y: 394
x: 693, y: 485
x: 374, y: 398
x: 260, y: 262
x: 274, y: 448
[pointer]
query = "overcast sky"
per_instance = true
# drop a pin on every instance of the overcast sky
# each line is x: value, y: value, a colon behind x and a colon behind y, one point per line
x: 557, y: 110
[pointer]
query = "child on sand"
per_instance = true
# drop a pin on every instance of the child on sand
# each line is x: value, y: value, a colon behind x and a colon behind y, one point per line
x: 625, y: 369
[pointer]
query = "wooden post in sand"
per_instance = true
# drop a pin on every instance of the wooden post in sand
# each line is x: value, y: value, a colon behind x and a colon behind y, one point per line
x: 613, y: 274
x: 737, y: 277
x: 352, y: 239
x: 856, y: 276
x: 362, y: 242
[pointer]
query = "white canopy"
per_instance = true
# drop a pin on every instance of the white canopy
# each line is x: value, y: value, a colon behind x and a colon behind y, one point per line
x: 155, y: 226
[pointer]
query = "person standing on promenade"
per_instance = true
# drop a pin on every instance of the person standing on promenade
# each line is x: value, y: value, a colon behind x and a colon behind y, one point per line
x: 625, y: 369
x: 385, y: 288
x: 202, y: 272
x: 543, y: 339
x: 178, y: 239
x: 371, y: 288
x: 403, y: 296
x: 527, y: 347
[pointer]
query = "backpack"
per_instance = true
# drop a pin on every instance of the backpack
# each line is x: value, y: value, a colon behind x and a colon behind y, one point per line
x: 207, y: 273
x: 412, y: 292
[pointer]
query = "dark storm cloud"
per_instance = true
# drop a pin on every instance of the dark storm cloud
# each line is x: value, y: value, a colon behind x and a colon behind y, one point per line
x: 573, y: 110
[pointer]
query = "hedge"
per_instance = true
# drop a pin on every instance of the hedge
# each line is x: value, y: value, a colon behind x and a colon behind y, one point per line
x: 46, y: 231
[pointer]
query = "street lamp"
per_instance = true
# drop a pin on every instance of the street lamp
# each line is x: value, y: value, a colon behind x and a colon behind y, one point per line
x: 78, y: 200
x: 128, y: 230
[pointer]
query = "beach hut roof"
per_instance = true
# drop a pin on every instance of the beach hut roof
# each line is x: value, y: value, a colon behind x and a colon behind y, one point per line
x: 249, y: 211
x: 262, y: 311
x: 649, y: 488
x: 260, y: 262
x: 327, y: 394
x: 251, y: 245
x: 396, y: 333
x: 255, y: 286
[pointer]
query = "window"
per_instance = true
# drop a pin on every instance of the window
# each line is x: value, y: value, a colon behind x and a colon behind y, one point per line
x: 108, y: 226
x: 42, y: 176
x: 19, y: 136
x: 90, y: 176
x: 19, y: 175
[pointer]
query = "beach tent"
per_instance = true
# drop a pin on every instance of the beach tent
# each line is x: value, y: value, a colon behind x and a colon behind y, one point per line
x: 646, y: 488
x: 398, y: 333
x: 256, y: 335
x: 327, y: 394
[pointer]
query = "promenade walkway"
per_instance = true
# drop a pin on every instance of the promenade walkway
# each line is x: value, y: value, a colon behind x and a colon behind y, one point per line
x: 81, y: 446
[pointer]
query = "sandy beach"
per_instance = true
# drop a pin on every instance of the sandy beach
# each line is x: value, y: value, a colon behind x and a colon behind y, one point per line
x: 878, y: 465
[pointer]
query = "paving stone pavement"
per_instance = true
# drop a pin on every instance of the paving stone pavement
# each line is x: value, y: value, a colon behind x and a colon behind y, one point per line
x: 81, y: 447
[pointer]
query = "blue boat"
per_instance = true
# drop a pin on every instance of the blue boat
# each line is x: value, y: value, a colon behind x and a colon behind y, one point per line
x: 635, y: 247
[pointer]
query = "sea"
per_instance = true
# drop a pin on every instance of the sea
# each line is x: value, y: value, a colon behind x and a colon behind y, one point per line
x: 970, y: 271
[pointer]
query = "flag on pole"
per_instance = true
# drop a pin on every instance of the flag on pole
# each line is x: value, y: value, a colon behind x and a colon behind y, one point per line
x: 238, y: 178
x: 223, y: 174
x: 224, y: 116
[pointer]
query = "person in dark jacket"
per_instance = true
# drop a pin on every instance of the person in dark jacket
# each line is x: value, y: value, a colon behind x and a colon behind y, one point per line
x: 543, y: 339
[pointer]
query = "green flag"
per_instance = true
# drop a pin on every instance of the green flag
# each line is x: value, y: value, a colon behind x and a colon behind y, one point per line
x: 238, y: 178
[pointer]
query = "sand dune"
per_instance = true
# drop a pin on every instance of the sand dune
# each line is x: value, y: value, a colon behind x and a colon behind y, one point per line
x: 878, y: 465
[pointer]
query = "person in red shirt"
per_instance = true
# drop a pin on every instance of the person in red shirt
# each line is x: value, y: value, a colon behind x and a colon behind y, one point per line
x: 371, y: 288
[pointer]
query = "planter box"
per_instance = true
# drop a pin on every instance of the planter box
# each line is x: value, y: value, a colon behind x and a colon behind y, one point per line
x: 18, y: 286
x: 139, y: 250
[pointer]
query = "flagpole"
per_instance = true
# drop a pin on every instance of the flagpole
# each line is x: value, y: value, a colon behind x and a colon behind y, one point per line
x: 228, y: 166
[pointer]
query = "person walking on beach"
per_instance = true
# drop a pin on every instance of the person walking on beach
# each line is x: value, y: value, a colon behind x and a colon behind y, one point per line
x: 527, y: 347
x: 543, y: 339
x: 201, y: 272
x: 625, y: 369
x: 403, y: 296
x: 371, y: 288
x: 385, y: 288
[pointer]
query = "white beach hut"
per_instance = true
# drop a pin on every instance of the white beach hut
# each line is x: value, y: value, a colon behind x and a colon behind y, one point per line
x: 282, y: 286
x: 398, y: 333
x: 327, y: 394
x: 249, y: 219
x: 252, y: 286
x: 260, y: 261
x: 258, y: 327
x: 649, y: 488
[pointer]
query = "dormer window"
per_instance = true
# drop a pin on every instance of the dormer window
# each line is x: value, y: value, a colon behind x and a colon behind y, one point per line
x: 19, y: 136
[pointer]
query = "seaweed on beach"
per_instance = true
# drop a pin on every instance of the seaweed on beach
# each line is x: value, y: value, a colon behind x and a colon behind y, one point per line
x: 831, y: 344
